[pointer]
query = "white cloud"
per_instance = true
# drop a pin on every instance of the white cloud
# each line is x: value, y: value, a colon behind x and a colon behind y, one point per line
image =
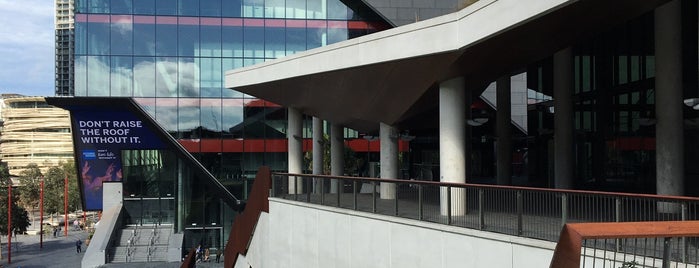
x: 27, y: 47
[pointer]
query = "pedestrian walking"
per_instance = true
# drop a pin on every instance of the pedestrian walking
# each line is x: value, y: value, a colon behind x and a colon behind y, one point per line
x: 78, y: 245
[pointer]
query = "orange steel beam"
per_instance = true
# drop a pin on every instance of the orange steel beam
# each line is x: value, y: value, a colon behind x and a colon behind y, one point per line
x: 567, y: 252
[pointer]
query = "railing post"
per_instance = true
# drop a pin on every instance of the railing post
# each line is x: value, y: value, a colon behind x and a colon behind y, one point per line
x: 683, y: 240
x: 354, y: 193
x: 322, y: 191
x: 309, y: 189
x: 448, y: 205
x: 296, y: 189
x: 617, y: 218
x: 395, y: 202
x: 419, y: 202
x: 564, y: 209
x: 666, y: 252
x: 373, y: 197
x: 339, y: 192
x: 520, y: 211
x: 274, y: 189
x: 481, y: 212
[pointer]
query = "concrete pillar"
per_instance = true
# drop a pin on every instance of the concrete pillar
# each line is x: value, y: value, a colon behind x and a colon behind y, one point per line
x: 563, y: 119
x: 318, y: 152
x: 452, y: 143
x: 504, y: 131
x: 388, y: 136
x: 337, y: 155
x: 295, y: 142
x: 669, y: 154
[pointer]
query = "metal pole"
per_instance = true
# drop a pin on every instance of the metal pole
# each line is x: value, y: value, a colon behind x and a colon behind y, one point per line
x: 520, y: 211
x: 448, y: 205
x: 41, y: 213
x: 65, y: 206
x: 9, y: 223
x: 481, y: 206
x: 419, y: 201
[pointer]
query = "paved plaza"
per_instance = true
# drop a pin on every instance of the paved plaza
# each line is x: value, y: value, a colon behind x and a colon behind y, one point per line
x: 56, y: 252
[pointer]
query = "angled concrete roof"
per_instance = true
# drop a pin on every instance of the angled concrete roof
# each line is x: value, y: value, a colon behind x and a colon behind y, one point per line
x: 387, y: 76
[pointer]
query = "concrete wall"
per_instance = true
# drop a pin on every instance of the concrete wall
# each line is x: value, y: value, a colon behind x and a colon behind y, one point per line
x: 305, y: 235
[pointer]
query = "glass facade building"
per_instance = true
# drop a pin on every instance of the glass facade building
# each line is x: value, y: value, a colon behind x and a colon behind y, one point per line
x: 170, y: 57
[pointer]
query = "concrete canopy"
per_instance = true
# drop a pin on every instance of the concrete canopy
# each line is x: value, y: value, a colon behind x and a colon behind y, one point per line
x: 387, y: 76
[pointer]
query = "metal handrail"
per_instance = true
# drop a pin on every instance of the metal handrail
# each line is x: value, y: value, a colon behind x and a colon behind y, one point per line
x: 515, y: 210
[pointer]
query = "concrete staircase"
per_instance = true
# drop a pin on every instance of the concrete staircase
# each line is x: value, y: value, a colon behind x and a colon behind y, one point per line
x: 141, y: 244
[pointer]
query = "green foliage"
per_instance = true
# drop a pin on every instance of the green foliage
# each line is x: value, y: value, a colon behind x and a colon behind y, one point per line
x: 20, y: 219
x: 349, y: 154
x: 54, y: 188
x: 29, y: 189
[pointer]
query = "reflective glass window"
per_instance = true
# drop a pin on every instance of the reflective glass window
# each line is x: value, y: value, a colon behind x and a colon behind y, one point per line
x: 166, y: 7
x: 211, y: 118
x: 188, y: 36
x: 166, y: 36
x: 253, y: 8
x: 121, y: 35
x: 210, y: 37
x: 316, y: 37
x: 296, y: 9
x: 80, y: 38
x: 188, y: 77
x: 80, y: 78
x: 337, y: 31
x: 166, y: 77
x: 316, y: 9
x: 144, y: 7
x: 295, y: 40
x: 166, y: 114
x: 211, y: 77
x: 98, y: 76
x: 144, y: 35
x: 231, y: 8
x: 144, y: 76
x: 121, y: 76
x: 254, y: 45
x: 98, y: 6
x: 188, y: 114
x: 337, y: 10
x: 275, y: 45
x: 232, y: 41
x: 274, y: 9
x: 188, y: 7
x: 98, y: 34
x: 232, y: 117
x: 229, y: 64
x: 122, y: 6
x: 210, y: 8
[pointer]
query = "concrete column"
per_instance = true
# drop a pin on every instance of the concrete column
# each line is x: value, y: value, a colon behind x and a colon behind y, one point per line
x: 563, y: 119
x: 295, y: 142
x: 503, y: 131
x: 388, y: 136
x: 318, y: 152
x: 669, y: 154
x: 452, y: 143
x: 337, y: 154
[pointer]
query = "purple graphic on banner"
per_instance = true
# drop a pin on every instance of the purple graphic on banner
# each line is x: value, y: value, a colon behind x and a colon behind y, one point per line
x: 100, y: 137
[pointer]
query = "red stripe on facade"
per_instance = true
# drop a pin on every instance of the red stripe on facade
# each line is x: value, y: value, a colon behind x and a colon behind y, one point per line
x: 254, y: 22
x: 98, y: 18
x: 231, y: 22
x: 122, y: 19
x: 316, y: 24
x: 188, y: 21
x: 211, y: 21
x: 144, y: 19
x: 296, y: 23
x: 275, y: 23
x: 80, y: 17
x: 166, y: 20
x: 358, y: 25
x: 337, y: 24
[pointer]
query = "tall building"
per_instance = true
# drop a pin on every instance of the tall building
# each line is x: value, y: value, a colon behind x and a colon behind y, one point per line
x: 169, y: 57
x: 33, y: 133
x: 64, y: 28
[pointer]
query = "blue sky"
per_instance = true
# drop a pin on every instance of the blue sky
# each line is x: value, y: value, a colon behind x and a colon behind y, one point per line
x: 26, y: 47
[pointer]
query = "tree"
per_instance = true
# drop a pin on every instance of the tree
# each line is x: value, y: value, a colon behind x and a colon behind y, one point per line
x: 20, y: 219
x: 29, y: 191
x: 54, y: 188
